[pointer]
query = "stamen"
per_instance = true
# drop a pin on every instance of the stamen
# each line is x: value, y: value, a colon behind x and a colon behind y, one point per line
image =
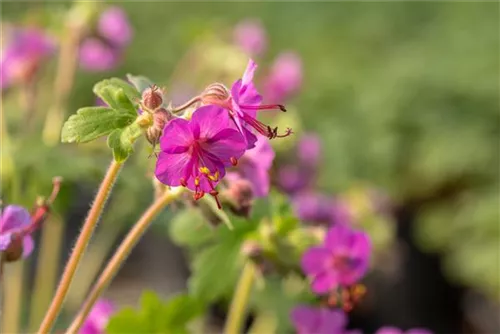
x: 234, y: 161
x: 265, y: 107
x: 183, y: 182
x: 197, y: 181
x: 204, y: 170
x: 214, y: 177
x: 264, y: 129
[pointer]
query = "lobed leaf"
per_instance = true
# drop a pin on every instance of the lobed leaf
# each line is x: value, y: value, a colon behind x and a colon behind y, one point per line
x: 90, y: 123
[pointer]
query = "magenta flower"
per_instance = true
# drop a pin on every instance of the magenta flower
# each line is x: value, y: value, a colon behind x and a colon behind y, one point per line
x: 98, y: 318
x: 341, y: 261
x: 251, y: 37
x: 243, y: 104
x: 22, y: 54
x: 284, y: 78
x: 254, y: 167
x: 309, y: 150
x: 394, y: 330
x: 311, y: 320
x: 194, y: 153
x: 96, y: 55
x: 115, y: 27
x: 14, y: 221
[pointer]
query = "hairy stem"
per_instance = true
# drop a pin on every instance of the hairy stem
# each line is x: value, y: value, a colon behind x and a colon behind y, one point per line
x: 47, y: 269
x: 80, y: 246
x: 241, y: 297
x: 121, y: 254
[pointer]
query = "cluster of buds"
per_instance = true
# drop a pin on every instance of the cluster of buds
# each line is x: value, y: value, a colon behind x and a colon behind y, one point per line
x: 152, y: 104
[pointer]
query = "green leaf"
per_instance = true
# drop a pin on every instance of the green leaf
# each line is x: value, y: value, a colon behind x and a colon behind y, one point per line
x: 121, y: 141
x: 112, y: 92
x: 141, y: 83
x: 90, y: 123
x: 180, y: 310
x: 215, y: 271
x: 188, y: 228
x: 132, y: 93
x: 156, y: 316
x: 126, y: 321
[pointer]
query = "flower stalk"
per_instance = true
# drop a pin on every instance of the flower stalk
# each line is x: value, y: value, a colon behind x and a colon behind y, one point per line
x: 241, y: 297
x: 80, y: 246
x: 121, y: 255
x: 65, y: 75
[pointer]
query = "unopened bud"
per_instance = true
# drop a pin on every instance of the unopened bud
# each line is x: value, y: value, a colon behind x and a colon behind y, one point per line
x: 15, y: 250
x: 152, y: 98
x: 251, y: 249
x: 239, y: 197
x: 160, y: 118
x: 215, y: 94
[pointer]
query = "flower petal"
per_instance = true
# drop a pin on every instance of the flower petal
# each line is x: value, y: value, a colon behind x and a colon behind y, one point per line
x: 324, y: 282
x: 209, y: 120
x: 170, y: 168
x: 28, y: 245
x: 338, y: 236
x: 14, y: 217
x: 316, y: 260
x: 305, y: 319
x: 331, y: 321
x: 258, y: 177
x: 226, y: 144
x: 177, y: 133
x: 5, y: 240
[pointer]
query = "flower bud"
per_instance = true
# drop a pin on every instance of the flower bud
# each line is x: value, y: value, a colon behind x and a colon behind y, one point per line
x: 15, y: 250
x: 239, y: 196
x: 215, y: 93
x: 152, y: 98
x: 251, y: 249
x: 160, y: 118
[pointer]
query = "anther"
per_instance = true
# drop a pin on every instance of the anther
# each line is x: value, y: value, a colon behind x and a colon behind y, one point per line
x: 234, y: 161
x: 183, y: 182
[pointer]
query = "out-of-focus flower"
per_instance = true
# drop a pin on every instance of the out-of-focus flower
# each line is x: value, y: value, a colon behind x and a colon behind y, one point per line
x: 251, y: 37
x: 394, y: 330
x: 115, y: 27
x: 195, y: 153
x: 254, y: 166
x: 341, y: 261
x: 313, y: 207
x: 14, y: 220
x: 243, y: 103
x: 309, y: 150
x: 299, y: 176
x: 311, y: 320
x: 96, y: 55
x: 104, y: 51
x: 98, y: 318
x: 284, y: 78
x: 22, y: 53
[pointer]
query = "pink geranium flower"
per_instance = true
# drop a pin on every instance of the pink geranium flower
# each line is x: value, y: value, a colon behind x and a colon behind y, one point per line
x: 284, y: 78
x: 195, y: 153
x: 341, y: 261
x: 243, y: 103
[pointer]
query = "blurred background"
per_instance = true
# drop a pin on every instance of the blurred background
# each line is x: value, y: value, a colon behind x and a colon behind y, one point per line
x: 403, y: 95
